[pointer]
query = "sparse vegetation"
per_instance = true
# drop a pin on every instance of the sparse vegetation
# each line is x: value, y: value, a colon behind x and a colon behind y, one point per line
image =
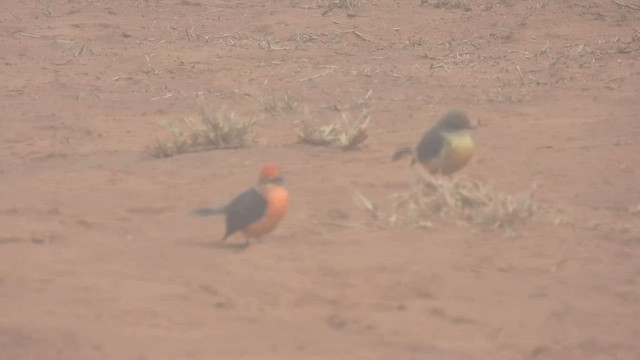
x: 46, y: 10
x: 471, y: 201
x: 340, y: 4
x: 205, y: 132
x: 289, y: 104
x: 361, y: 103
x: 345, y: 134
x: 270, y: 105
x: 448, y: 4
x: 305, y: 36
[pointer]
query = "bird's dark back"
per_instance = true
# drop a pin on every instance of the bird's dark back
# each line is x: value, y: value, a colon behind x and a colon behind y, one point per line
x: 430, y: 145
x: 244, y: 210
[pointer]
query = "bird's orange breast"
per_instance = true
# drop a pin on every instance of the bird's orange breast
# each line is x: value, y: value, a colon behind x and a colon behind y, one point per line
x: 277, y: 205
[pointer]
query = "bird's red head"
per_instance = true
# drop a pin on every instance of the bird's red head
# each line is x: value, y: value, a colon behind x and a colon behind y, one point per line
x: 270, y: 173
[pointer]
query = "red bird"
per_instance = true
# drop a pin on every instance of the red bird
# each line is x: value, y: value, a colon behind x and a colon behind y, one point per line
x: 257, y: 211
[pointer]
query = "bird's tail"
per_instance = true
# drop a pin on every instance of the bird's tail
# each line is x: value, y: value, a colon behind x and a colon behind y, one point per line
x: 216, y: 210
x: 401, y: 153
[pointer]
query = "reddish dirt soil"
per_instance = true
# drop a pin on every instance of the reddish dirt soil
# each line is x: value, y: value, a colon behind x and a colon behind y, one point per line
x: 100, y: 260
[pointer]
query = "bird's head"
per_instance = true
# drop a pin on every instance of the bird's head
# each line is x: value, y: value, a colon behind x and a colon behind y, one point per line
x: 270, y: 174
x: 455, y: 120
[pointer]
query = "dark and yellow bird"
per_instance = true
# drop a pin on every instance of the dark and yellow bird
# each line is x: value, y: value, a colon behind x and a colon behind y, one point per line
x: 445, y: 148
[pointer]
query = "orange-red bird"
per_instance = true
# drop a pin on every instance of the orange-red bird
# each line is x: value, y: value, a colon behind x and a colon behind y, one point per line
x: 257, y: 211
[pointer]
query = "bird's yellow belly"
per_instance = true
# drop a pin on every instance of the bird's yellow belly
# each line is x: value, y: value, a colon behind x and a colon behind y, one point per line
x: 456, y: 154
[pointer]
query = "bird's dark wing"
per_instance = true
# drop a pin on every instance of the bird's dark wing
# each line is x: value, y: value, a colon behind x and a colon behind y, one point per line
x: 430, y: 145
x: 244, y: 210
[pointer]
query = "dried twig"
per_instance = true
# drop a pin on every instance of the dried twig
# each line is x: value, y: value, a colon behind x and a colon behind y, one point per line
x: 29, y: 35
x: 359, y: 34
x: 319, y: 75
x: 520, y: 74
x: 168, y: 95
x: 81, y: 49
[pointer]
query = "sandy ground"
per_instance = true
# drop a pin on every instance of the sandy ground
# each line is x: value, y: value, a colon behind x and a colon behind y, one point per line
x: 99, y: 259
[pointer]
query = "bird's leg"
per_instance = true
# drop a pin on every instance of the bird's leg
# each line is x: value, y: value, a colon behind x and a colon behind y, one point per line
x: 428, y: 179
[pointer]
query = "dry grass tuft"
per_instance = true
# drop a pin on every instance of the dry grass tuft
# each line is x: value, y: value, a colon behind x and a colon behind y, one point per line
x: 369, y: 206
x: 46, y: 10
x: 471, y: 201
x: 289, y: 104
x: 205, y: 132
x: 340, y: 4
x: 345, y: 134
x: 270, y: 105
x: 448, y: 4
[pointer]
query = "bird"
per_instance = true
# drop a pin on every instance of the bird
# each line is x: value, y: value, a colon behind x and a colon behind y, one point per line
x: 257, y: 211
x: 446, y: 147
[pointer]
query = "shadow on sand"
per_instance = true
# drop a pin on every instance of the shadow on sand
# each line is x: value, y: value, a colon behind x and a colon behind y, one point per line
x: 220, y: 245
